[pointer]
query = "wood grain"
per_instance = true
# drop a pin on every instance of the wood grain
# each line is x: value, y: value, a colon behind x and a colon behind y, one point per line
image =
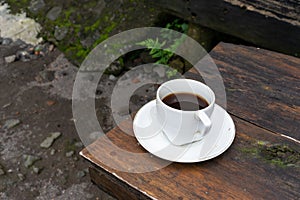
x: 244, y: 171
x: 113, y: 185
x: 262, y: 163
x: 287, y: 10
x: 271, y: 24
x: 262, y: 86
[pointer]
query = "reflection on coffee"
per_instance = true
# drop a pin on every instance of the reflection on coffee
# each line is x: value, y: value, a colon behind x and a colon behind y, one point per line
x: 185, y: 101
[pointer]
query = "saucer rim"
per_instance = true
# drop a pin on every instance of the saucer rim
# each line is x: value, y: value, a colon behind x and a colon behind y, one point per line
x: 210, y: 153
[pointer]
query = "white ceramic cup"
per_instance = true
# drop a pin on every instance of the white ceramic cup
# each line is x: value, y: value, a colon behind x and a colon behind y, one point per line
x: 183, y: 127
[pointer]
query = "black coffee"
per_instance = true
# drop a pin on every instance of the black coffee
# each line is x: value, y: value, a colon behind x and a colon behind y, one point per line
x: 185, y: 101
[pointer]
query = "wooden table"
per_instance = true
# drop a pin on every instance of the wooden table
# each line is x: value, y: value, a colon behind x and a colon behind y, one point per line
x: 263, y: 98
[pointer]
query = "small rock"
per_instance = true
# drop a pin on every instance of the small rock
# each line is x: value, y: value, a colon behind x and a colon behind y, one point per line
x: 2, y: 172
x: 49, y: 140
x: 36, y: 5
x: 47, y: 75
x: 23, y: 56
x: 78, y: 144
x: 11, y: 123
x: 30, y: 160
x: 21, y: 176
x: 52, y: 152
x: 54, y: 13
x: 59, y: 172
x: 160, y: 70
x: 112, y: 77
x: 51, y: 48
x: 10, y: 171
x: 80, y: 174
x: 10, y: 59
x: 36, y: 170
x: 69, y: 154
x: 41, y: 53
x: 7, y: 41
x: 60, y: 33
x: 6, y: 105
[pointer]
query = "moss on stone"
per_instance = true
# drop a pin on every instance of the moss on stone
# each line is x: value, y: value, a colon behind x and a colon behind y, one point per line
x: 84, y: 22
x: 78, y: 27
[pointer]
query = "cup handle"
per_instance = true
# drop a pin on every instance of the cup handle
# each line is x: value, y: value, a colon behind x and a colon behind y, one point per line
x: 202, y: 116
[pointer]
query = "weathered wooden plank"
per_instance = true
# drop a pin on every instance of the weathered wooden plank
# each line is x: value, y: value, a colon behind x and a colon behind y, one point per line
x: 271, y: 24
x: 113, y: 185
x: 259, y: 165
x: 262, y: 86
x: 287, y: 10
x: 262, y: 89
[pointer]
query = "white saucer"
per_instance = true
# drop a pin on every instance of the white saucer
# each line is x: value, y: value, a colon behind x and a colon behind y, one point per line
x: 147, y: 130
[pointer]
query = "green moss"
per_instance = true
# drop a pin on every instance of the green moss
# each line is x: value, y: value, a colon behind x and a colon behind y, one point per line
x: 83, y: 21
x: 252, y: 151
x: 70, y: 145
x: 75, y: 50
x: 281, y: 155
x: 79, y: 21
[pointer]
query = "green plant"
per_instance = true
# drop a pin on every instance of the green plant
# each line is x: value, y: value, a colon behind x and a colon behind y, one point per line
x: 159, y: 49
x: 178, y: 26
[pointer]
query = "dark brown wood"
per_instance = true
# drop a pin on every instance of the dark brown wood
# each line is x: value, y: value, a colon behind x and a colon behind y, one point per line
x: 271, y: 24
x: 287, y: 10
x: 262, y: 86
x: 246, y: 171
x: 113, y: 185
x: 263, y: 162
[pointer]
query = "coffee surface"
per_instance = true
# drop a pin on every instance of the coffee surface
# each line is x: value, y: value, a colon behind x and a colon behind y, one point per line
x: 185, y: 101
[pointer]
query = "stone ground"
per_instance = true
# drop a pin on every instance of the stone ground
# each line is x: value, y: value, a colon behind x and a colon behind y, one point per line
x: 35, y: 104
x: 39, y: 145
